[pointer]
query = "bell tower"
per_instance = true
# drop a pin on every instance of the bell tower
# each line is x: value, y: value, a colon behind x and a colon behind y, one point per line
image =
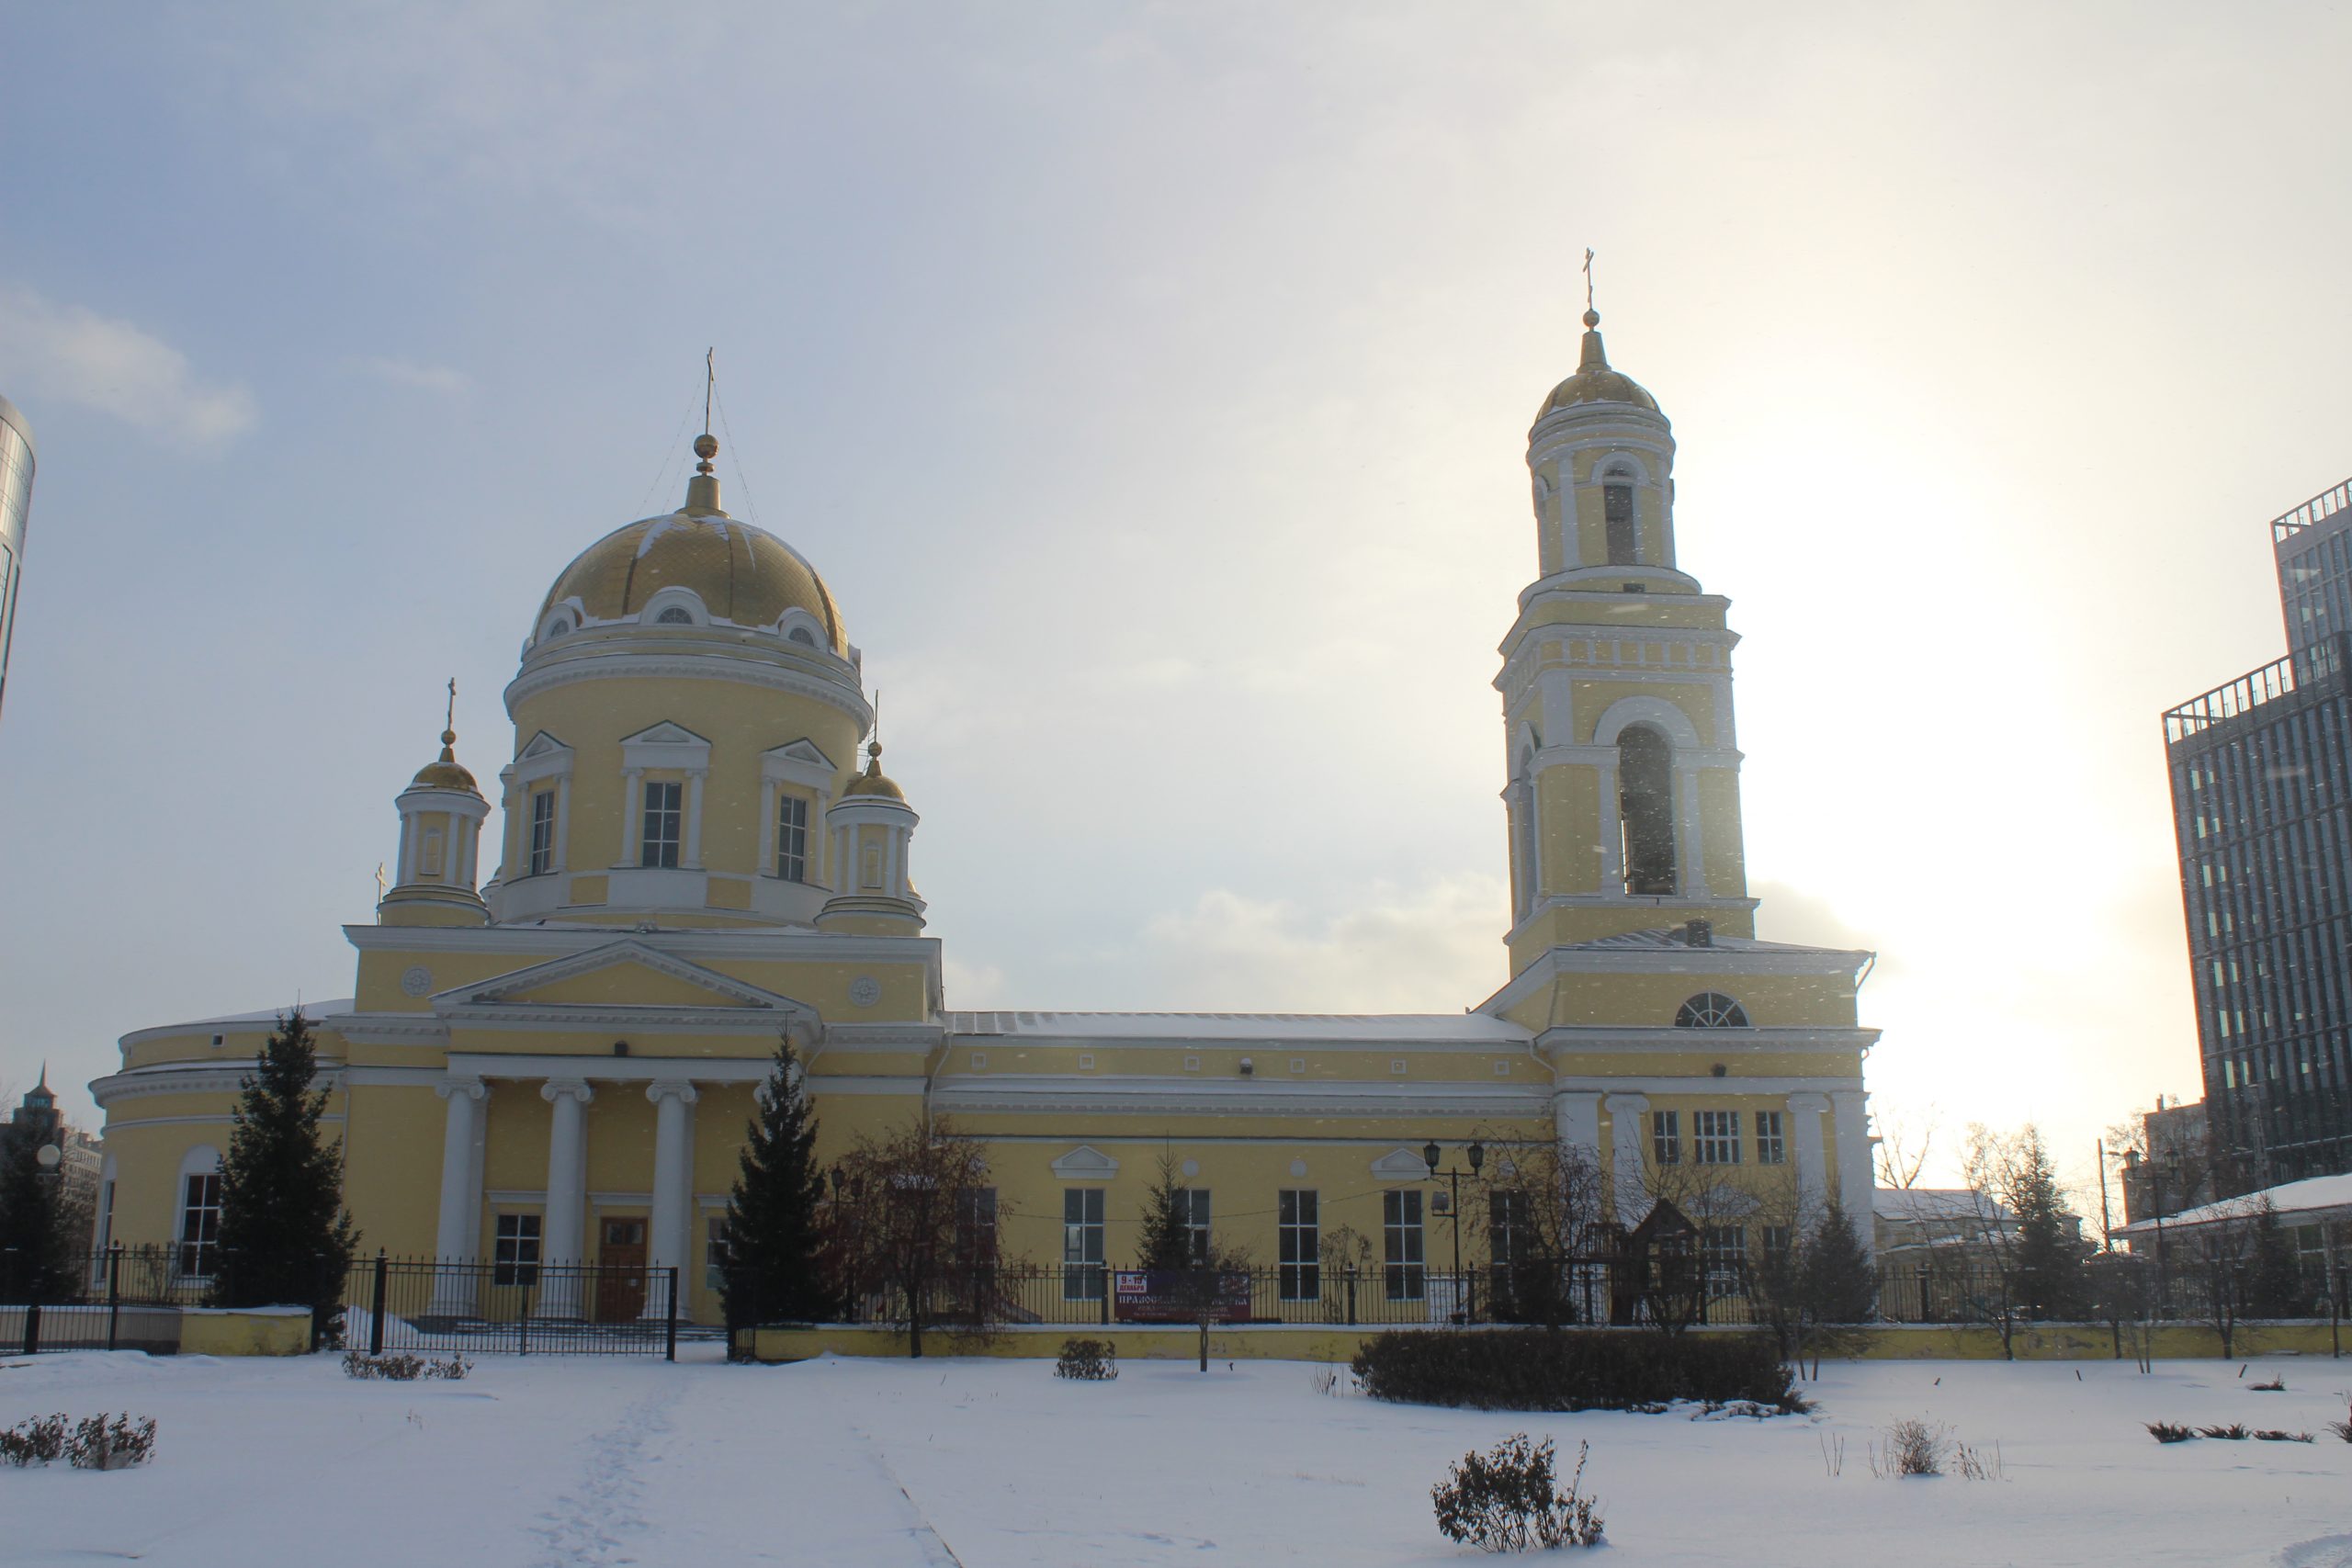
x: 1621, y: 756
x: 441, y: 816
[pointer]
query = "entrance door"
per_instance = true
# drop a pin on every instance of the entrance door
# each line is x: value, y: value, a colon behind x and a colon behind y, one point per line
x: 620, y: 1271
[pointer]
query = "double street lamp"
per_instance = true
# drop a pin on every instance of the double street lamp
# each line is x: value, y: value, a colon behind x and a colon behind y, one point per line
x: 1430, y: 1155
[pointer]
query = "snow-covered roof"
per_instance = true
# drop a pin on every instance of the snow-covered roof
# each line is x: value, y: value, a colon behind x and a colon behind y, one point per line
x: 2312, y: 1198
x: 316, y: 1012
x: 1244, y: 1028
x: 1902, y: 1203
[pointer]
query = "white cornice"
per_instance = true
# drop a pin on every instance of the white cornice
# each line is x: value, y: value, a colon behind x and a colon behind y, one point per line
x: 1561, y: 1042
x: 1007, y: 1094
x: 767, y: 946
x: 587, y: 663
x: 192, y: 1077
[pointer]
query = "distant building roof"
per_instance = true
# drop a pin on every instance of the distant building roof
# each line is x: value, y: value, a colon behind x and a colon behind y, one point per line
x: 1915, y: 1203
x: 2317, y: 1197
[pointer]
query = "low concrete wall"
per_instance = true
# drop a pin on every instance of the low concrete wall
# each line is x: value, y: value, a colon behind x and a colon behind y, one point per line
x: 245, y: 1331
x: 1300, y: 1342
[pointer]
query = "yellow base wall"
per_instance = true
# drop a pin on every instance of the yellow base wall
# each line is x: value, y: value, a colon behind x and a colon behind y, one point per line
x: 1936, y: 1342
x: 263, y: 1331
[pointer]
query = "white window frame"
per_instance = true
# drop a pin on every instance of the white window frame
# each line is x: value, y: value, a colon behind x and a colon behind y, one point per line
x: 538, y: 846
x: 1772, y: 1138
x: 201, y: 1164
x: 671, y: 748
x: 1193, y: 1210
x: 714, y: 1250
x: 1298, y: 1243
x: 1715, y: 1138
x: 1666, y: 1137
x: 516, y: 1248
x: 1084, y: 1275
x: 791, y: 836
x: 801, y: 767
x: 658, y: 850
x: 545, y: 762
x: 1403, y: 1251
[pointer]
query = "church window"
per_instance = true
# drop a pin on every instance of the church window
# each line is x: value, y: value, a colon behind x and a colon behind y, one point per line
x: 976, y: 1241
x: 1617, y: 513
x: 1082, y: 1244
x: 792, y: 837
x: 1722, y: 1249
x: 676, y: 616
x: 1711, y: 1009
x: 1772, y: 1142
x: 665, y: 820
x: 200, y: 1225
x: 542, y: 832
x: 714, y: 1252
x: 1714, y: 1136
x: 1298, y: 1233
x: 1666, y: 1137
x: 1403, y: 1273
x: 1646, y: 810
x: 1507, y: 1230
x: 515, y: 1251
x: 1778, y: 1241
x: 802, y: 636
x: 1192, y: 1213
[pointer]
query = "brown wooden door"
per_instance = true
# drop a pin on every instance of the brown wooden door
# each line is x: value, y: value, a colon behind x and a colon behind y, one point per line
x: 620, y: 1277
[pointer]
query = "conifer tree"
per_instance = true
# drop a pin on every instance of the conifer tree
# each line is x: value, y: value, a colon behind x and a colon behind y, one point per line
x: 773, y: 1270
x: 1166, y: 1243
x: 1835, y: 1281
x: 2049, y: 1262
x: 286, y: 1239
x: 36, y: 1247
x: 2274, y: 1283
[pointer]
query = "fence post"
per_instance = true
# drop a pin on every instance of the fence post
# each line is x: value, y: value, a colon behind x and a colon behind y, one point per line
x: 114, y: 1293
x: 1351, y: 1295
x: 376, y: 1309
x: 2336, y: 1317
x: 1103, y: 1291
x: 670, y: 1328
x: 32, y: 1323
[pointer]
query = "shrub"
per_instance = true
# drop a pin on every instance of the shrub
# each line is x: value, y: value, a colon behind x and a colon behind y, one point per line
x: 2277, y: 1384
x: 394, y: 1368
x: 1088, y: 1360
x: 2261, y: 1436
x: 1543, y: 1369
x: 100, y: 1444
x: 2167, y: 1432
x: 453, y: 1369
x: 2235, y: 1432
x: 1509, y: 1500
x: 2342, y: 1428
x: 37, y: 1439
x: 1915, y: 1447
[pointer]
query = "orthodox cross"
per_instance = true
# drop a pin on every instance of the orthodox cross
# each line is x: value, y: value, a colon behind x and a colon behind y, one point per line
x: 1587, y: 278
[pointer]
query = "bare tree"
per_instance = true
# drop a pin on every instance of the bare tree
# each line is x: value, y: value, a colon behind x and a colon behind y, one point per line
x: 910, y: 1202
x: 1540, y: 1205
x: 1906, y: 1140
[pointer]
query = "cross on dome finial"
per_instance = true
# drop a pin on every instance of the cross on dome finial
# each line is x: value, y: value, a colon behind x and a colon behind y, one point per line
x: 449, y: 725
x: 1591, y: 316
x: 707, y: 445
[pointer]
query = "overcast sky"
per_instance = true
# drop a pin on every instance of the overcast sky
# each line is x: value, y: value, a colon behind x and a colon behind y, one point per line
x: 1151, y: 385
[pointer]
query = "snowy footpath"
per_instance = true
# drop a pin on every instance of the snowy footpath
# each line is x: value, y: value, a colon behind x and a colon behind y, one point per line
x: 996, y: 1464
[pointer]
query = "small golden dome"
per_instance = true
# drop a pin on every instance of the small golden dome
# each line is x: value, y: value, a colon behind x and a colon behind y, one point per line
x: 444, y: 771
x: 1594, y: 381
x: 871, y: 782
x: 744, y: 576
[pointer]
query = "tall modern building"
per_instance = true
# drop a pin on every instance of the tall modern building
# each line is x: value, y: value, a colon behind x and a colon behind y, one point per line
x: 16, y: 507
x: 2262, y: 804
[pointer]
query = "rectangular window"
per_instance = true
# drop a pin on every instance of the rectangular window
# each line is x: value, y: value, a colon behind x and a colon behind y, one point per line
x: 200, y: 1226
x: 1507, y: 1233
x: 542, y: 832
x: 975, y: 1227
x: 1666, y: 1137
x: 1723, y: 1250
x: 1771, y: 1145
x: 1404, y: 1276
x: 515, y: 1251
x: 665, y: 817
x: 430, y: 863
x: 1192, y: 1208
x: 1298, y: 1231
x: 792, y: 837
x: 1778, y: 1240
x: 1082, y: 1244
x: 1617, y: 514
x: 1715, y: 1136
x: 714, y: 1251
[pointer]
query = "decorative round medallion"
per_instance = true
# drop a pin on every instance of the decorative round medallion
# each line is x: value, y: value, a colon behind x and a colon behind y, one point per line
x: 417, y: 980
x: 1299, y: 1167
x: 865, y: 990
x: 1192, y: 1168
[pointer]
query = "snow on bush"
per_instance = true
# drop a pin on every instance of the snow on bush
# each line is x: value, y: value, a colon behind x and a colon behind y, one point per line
x: 1912, y: 1447
x: 1509, y: 1500
x: 1088, y: 1360
x: 95, y: 1442
x: 402, y: 1368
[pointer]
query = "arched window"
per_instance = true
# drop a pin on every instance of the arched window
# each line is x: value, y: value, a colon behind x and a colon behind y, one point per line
x: 802, y: 636
x: 1711, y: 1009
x: 676, y: 616
x: 1645, y: 809
x: 199, y: 1218
x: 1617, y: 513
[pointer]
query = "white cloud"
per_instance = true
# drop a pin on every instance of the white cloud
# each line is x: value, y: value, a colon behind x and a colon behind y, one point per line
x: 1435, y: 948
x: 74, y: 355
x: 408, y: 373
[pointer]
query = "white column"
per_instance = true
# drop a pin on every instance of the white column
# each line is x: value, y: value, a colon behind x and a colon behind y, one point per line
x: 1691, y: 851
x: 694, y: 820
x: 562, y: 815
x: 452, y: 1289
x: 1805, y: 1139
x: 565, y: 1217
x: 668, y: 1235
x: 1613, y: 836
x: 1856, y: 1184
x: 1576, y: 1124
x: 632, y: 817
x: 767, y: 864
x: 1626, y: 1112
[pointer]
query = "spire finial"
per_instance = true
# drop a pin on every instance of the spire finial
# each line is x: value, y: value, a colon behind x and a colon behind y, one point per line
x: 1591, y: 316
x: 449, y: 725
x: 707, y: 445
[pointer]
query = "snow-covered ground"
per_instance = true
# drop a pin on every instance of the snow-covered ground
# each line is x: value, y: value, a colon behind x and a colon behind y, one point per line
x: 995, y: 1465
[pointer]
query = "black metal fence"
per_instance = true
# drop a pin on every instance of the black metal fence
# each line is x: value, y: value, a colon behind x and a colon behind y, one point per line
x: 122, y: 1298
x: 471, y: 1307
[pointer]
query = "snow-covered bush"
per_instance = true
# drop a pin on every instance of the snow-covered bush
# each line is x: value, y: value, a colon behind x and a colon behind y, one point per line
x: 1537, y: 1370
x: 2235, y: 1432
x: 1912, y: 1447
x: 450, y: 1371
x: 1509, y: 1500
x: 2274, y: 1435
x: 37, y: 1439
x: 2170, y: 1432
x: 1088, y: 1360
x: 2342, y: 1428
x: 400, y: 1367
x: 117, y: 1444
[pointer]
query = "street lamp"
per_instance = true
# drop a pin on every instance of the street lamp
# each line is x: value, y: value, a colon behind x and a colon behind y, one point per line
x: 1431, y: 1154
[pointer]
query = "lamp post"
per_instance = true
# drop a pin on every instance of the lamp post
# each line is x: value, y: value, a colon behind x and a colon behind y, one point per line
x: 1431, y: 1154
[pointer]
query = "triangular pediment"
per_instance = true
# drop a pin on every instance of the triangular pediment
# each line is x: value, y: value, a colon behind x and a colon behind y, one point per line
x: 541, y: 745
x: 801, y: 750
x: 1086, y: 1163
x: 1401, y: 1164
x: 664, y: 734
x: 620, y: 974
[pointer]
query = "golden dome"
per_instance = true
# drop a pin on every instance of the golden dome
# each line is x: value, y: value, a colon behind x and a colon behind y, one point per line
x: 1594, y: 381
x: 872, y: 780
x: 744, y: 576
x: 444, y: 771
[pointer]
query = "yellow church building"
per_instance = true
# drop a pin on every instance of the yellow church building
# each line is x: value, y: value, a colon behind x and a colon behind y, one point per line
x: 557, y: 1063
